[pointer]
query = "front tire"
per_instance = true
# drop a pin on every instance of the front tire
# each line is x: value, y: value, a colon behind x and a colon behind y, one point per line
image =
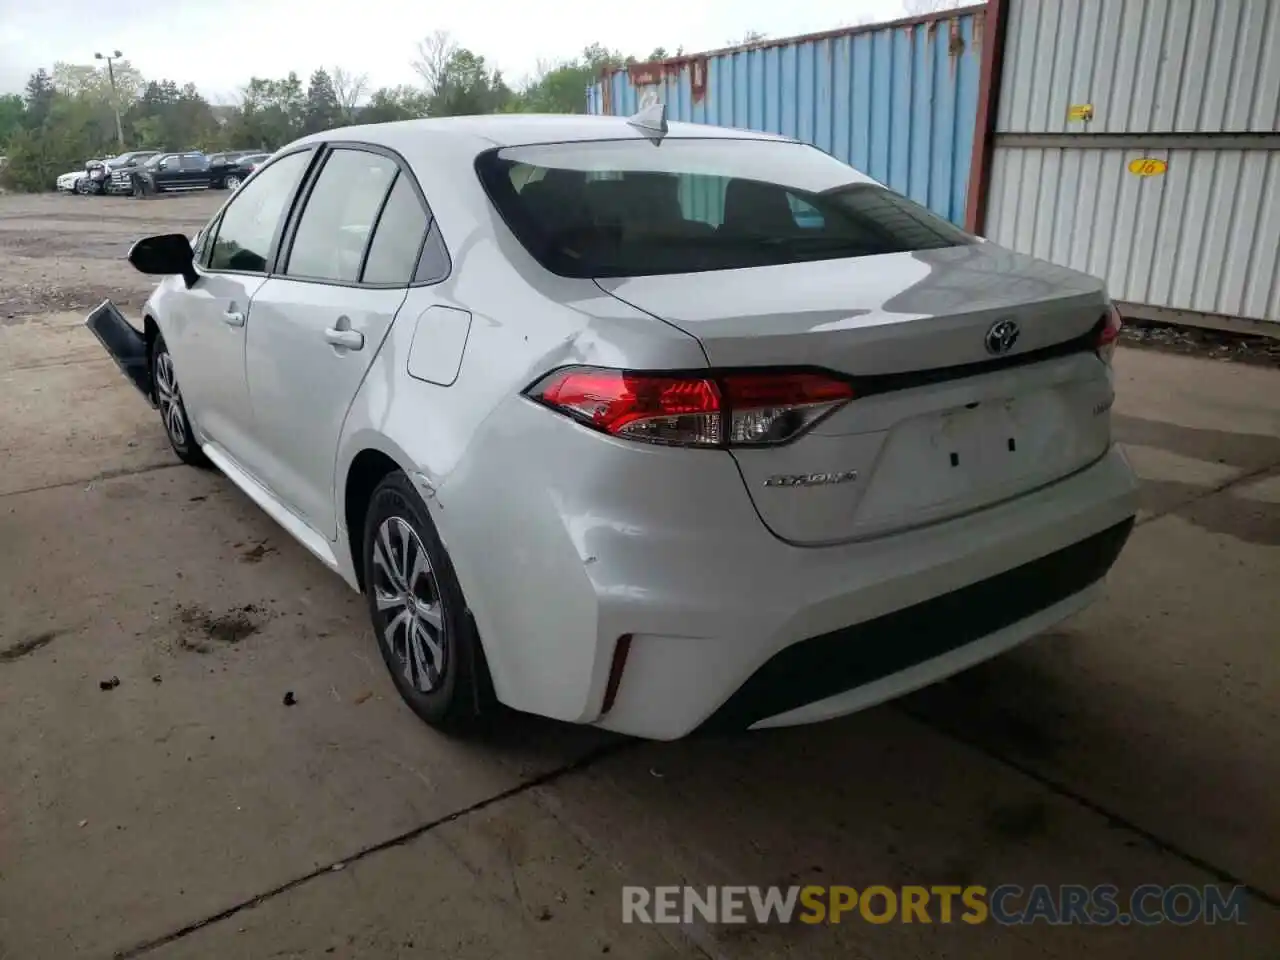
x: 173, y: 410
x: 419, y: 615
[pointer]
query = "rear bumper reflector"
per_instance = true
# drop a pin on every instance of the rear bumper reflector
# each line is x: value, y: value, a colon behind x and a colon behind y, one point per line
x: 615, y: 672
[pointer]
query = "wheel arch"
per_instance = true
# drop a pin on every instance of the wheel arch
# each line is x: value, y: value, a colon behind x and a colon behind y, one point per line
x: 367, y: 469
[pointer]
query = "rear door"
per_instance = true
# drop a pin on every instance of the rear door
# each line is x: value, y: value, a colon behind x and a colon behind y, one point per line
x: 318, y: 322
x: 194, y: 171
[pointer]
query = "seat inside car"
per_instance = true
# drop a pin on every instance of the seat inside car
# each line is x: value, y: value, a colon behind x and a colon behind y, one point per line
x: 756, y: 208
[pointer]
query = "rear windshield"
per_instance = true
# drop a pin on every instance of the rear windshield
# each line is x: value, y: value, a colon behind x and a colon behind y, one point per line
x: 624, y: 208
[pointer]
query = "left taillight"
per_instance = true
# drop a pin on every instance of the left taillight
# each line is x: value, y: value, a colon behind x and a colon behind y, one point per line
x: 1109, y: 333
x: 707, y: 409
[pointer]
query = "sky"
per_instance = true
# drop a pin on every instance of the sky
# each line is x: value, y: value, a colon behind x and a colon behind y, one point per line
x: 219, y: 44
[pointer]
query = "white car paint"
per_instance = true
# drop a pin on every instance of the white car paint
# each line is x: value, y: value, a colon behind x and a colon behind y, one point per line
x: 564, y: 539
x: 67, y: 181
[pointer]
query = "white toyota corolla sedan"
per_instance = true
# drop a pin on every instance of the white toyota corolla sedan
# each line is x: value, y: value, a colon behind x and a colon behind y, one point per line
x: 653, y: 427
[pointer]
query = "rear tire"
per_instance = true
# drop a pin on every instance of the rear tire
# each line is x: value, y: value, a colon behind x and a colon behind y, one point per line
x: 173, y: 410
x: 232, y: 182
x: 419, y: 615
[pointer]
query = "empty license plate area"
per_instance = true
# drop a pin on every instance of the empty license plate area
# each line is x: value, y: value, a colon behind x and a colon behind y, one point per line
x: 966, y: 456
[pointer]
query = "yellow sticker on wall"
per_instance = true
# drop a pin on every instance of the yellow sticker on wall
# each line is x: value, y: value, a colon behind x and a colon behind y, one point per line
x: 1080, y: 111
x: 1147, y: 167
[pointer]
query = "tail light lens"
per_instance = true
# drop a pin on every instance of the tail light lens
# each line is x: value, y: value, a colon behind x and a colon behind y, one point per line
x: 698, y: 410
x: 1109, y: 333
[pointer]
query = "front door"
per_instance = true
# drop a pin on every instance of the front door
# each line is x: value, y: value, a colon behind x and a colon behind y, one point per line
x: 206, y: 330
x: 206, y: 334
x: 319, y: 322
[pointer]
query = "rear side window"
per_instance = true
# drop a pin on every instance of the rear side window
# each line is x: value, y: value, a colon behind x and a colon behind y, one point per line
x: 624, y: 208
x: 393, y: 254
x: 344, y: 204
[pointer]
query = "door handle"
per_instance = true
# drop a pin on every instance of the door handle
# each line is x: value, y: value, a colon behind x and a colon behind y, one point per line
x: 346, y: 339
x: 233, y: 318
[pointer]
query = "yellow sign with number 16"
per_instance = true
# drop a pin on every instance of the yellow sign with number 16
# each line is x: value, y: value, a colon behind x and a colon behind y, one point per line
x: 1147, y: 167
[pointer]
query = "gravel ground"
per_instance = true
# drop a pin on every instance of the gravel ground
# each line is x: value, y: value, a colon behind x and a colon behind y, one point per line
x: 60, y: 252
x: 1214, y: 344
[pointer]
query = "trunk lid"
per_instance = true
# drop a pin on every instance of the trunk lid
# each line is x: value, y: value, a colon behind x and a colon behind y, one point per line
x: 942, y: 424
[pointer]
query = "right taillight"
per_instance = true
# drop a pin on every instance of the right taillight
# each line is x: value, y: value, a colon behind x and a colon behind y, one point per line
x: 706, y: 409
x: 1109, y: 333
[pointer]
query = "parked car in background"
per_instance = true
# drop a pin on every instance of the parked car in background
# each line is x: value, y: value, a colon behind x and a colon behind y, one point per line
x: 99, y: 173
x: 227, y: 162
x: 165, y: 172
x: 243, y: 169
x: 69, y: 182
x: 605, y: 453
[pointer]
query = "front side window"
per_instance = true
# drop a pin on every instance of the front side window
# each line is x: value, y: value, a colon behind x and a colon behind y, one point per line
x: 334, y: 228
x: 250, y: 220
x: 620, y: 208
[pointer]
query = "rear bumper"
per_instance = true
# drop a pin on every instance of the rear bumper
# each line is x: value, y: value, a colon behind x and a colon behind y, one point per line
x: 662, y: 545
x: 841, y: 629
x: 854, y: 667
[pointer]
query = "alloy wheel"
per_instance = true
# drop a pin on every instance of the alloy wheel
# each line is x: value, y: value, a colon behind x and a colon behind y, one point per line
x: 232, y: 182
x: 169, y: 397
x: 408, y: 604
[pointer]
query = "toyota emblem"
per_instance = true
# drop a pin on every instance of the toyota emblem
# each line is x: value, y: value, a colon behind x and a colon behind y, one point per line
x: 1002, y: 336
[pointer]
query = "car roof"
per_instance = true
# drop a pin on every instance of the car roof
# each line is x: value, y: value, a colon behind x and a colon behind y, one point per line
x: 511, y: 129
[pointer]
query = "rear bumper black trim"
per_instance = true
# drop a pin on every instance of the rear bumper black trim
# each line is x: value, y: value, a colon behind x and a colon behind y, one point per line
x: 846, y: 659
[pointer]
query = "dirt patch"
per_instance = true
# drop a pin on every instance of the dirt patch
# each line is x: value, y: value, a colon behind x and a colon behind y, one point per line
x: 207, y: 632
x: 1212, y: 344
x: 255, y: 553
x: 62, y: 253
x: 28, y: 646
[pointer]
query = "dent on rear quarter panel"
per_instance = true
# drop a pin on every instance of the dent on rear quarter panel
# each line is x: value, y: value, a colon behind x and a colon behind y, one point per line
x: 523, y: 322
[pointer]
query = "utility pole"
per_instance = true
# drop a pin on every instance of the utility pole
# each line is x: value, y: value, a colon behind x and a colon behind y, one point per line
x: 115, y: 94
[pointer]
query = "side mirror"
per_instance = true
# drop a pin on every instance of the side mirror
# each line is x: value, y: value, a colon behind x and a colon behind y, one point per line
x: 168, y: 254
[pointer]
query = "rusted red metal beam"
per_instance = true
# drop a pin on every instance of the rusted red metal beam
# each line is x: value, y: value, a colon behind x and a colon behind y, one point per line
x: 674, y: 63
x: 975, y: 208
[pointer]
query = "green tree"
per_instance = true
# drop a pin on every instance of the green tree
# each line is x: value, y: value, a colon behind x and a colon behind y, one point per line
x: 271, y: 113
x: 38, y: 95
x: 321, y: 110
x: 89, y: 80
x: 12, y: 114
x: 562, y: 87
x: 389, y: 104
x: 166, y: 117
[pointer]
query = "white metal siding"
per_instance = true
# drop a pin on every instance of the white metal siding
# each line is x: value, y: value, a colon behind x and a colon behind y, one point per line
x: 1192, y: 83
x: 1185, y: 66
x: 1204, y: 237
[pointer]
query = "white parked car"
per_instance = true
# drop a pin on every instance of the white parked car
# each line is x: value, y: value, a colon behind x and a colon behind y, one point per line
x: 646, y: 427
x: 66, y: 183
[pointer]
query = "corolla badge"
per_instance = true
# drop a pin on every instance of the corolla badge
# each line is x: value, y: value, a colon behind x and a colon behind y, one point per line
x: 810, y: 479
x: 1002, y: 336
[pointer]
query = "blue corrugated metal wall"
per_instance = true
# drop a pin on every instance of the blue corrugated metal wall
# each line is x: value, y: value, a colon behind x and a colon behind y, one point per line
x: 898, y: 102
